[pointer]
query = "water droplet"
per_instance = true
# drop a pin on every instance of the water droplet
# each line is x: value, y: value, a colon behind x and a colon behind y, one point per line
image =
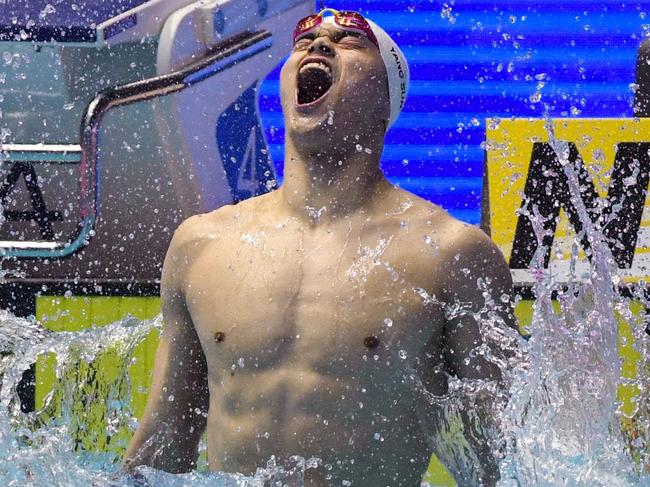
x: 49, y: 9
x: 446, y: 13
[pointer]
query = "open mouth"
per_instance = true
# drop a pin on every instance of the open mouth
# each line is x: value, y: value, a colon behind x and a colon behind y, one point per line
x: 314, y: 81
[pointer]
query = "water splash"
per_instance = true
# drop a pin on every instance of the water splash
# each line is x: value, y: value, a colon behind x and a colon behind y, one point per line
x: 563, y: 416
x: 554, y: 419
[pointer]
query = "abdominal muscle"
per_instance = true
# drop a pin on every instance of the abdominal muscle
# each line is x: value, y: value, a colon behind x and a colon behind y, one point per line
x: 358, y: 431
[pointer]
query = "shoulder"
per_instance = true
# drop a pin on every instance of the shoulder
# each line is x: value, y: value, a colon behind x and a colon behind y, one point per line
x: 456, y: 252
x: 473, y: 263
x: 430, y: 230
x: 201, y: 227
x: 217, y: 224
x: 463, y: 241
x: 454, y: 240
x: 188, y: 241
x: 197, y: 230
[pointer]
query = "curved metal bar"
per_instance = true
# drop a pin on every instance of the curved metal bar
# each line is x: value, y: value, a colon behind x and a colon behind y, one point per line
x: 222, y: 57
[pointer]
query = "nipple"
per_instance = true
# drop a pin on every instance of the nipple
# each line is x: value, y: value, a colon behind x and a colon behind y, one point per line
x: 219, y: 336
x: 371, y: 342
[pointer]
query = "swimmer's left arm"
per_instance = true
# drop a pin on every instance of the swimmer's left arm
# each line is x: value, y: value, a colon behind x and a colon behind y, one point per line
x: 478, y: 296
x: 477, y: 293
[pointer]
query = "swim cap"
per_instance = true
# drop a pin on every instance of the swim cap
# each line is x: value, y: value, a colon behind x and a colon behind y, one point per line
x: 397, y: 69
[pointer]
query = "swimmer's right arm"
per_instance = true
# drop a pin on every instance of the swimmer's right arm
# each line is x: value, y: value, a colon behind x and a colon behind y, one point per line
x: 174, y: 419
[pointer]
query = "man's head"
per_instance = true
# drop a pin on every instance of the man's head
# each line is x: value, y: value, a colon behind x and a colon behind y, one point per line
x: 344, y: 78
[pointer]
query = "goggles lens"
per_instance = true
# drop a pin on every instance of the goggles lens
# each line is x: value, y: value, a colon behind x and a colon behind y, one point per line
x: 347, y: 20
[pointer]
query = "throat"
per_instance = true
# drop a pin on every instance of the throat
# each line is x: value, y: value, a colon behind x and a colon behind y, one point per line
x: 330, y: 196
x: 331, y: 174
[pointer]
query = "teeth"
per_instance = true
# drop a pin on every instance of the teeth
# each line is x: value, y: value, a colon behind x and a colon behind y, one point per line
x: 317, y: 65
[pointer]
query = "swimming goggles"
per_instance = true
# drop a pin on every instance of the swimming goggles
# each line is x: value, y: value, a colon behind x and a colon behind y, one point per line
x: 347, y: 20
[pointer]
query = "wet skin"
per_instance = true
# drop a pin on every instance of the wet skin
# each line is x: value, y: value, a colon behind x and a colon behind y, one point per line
x: 294, y: 321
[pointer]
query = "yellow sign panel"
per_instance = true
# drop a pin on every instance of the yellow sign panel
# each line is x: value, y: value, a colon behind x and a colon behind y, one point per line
x: 539, y: 167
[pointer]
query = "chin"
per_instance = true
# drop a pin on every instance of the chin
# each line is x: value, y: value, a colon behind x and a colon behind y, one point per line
x: 314, y: 133
x: 310, y: 128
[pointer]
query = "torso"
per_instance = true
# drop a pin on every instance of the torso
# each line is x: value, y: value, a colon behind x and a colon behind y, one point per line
x: 308, y: 333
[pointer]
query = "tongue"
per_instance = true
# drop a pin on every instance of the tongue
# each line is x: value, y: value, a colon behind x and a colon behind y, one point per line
x: 312, y: 85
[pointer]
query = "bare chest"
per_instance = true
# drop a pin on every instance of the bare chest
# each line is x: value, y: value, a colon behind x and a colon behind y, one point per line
x: 333, y: 305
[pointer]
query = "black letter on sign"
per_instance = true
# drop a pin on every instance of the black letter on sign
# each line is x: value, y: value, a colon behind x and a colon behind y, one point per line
x: 40, y: 215
x: 547, y: 188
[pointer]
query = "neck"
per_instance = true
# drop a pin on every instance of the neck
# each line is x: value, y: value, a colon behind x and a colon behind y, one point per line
x: 332, y: 182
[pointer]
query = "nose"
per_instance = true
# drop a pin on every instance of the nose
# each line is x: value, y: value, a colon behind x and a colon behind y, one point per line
x: 321, y: 46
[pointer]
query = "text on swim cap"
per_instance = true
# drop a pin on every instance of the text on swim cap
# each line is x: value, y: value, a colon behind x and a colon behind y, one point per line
x: 402, y: 75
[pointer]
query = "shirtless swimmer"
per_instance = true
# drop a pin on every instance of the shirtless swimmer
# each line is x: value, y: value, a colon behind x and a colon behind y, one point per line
x: 289, y: 317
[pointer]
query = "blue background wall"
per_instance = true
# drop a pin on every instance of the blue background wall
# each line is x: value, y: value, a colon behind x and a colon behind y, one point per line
x: 489, y: 59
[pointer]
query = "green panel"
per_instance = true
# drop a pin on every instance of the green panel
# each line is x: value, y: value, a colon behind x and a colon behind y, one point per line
x: 60, y: 313
x: 45, y: 378
x: 106, y: 309
x: 631, y: 357
x: 438, y: 475
x: 57, y: 313
x: 141, y: 373
x: 63, y: 314
x: 524, y: 315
